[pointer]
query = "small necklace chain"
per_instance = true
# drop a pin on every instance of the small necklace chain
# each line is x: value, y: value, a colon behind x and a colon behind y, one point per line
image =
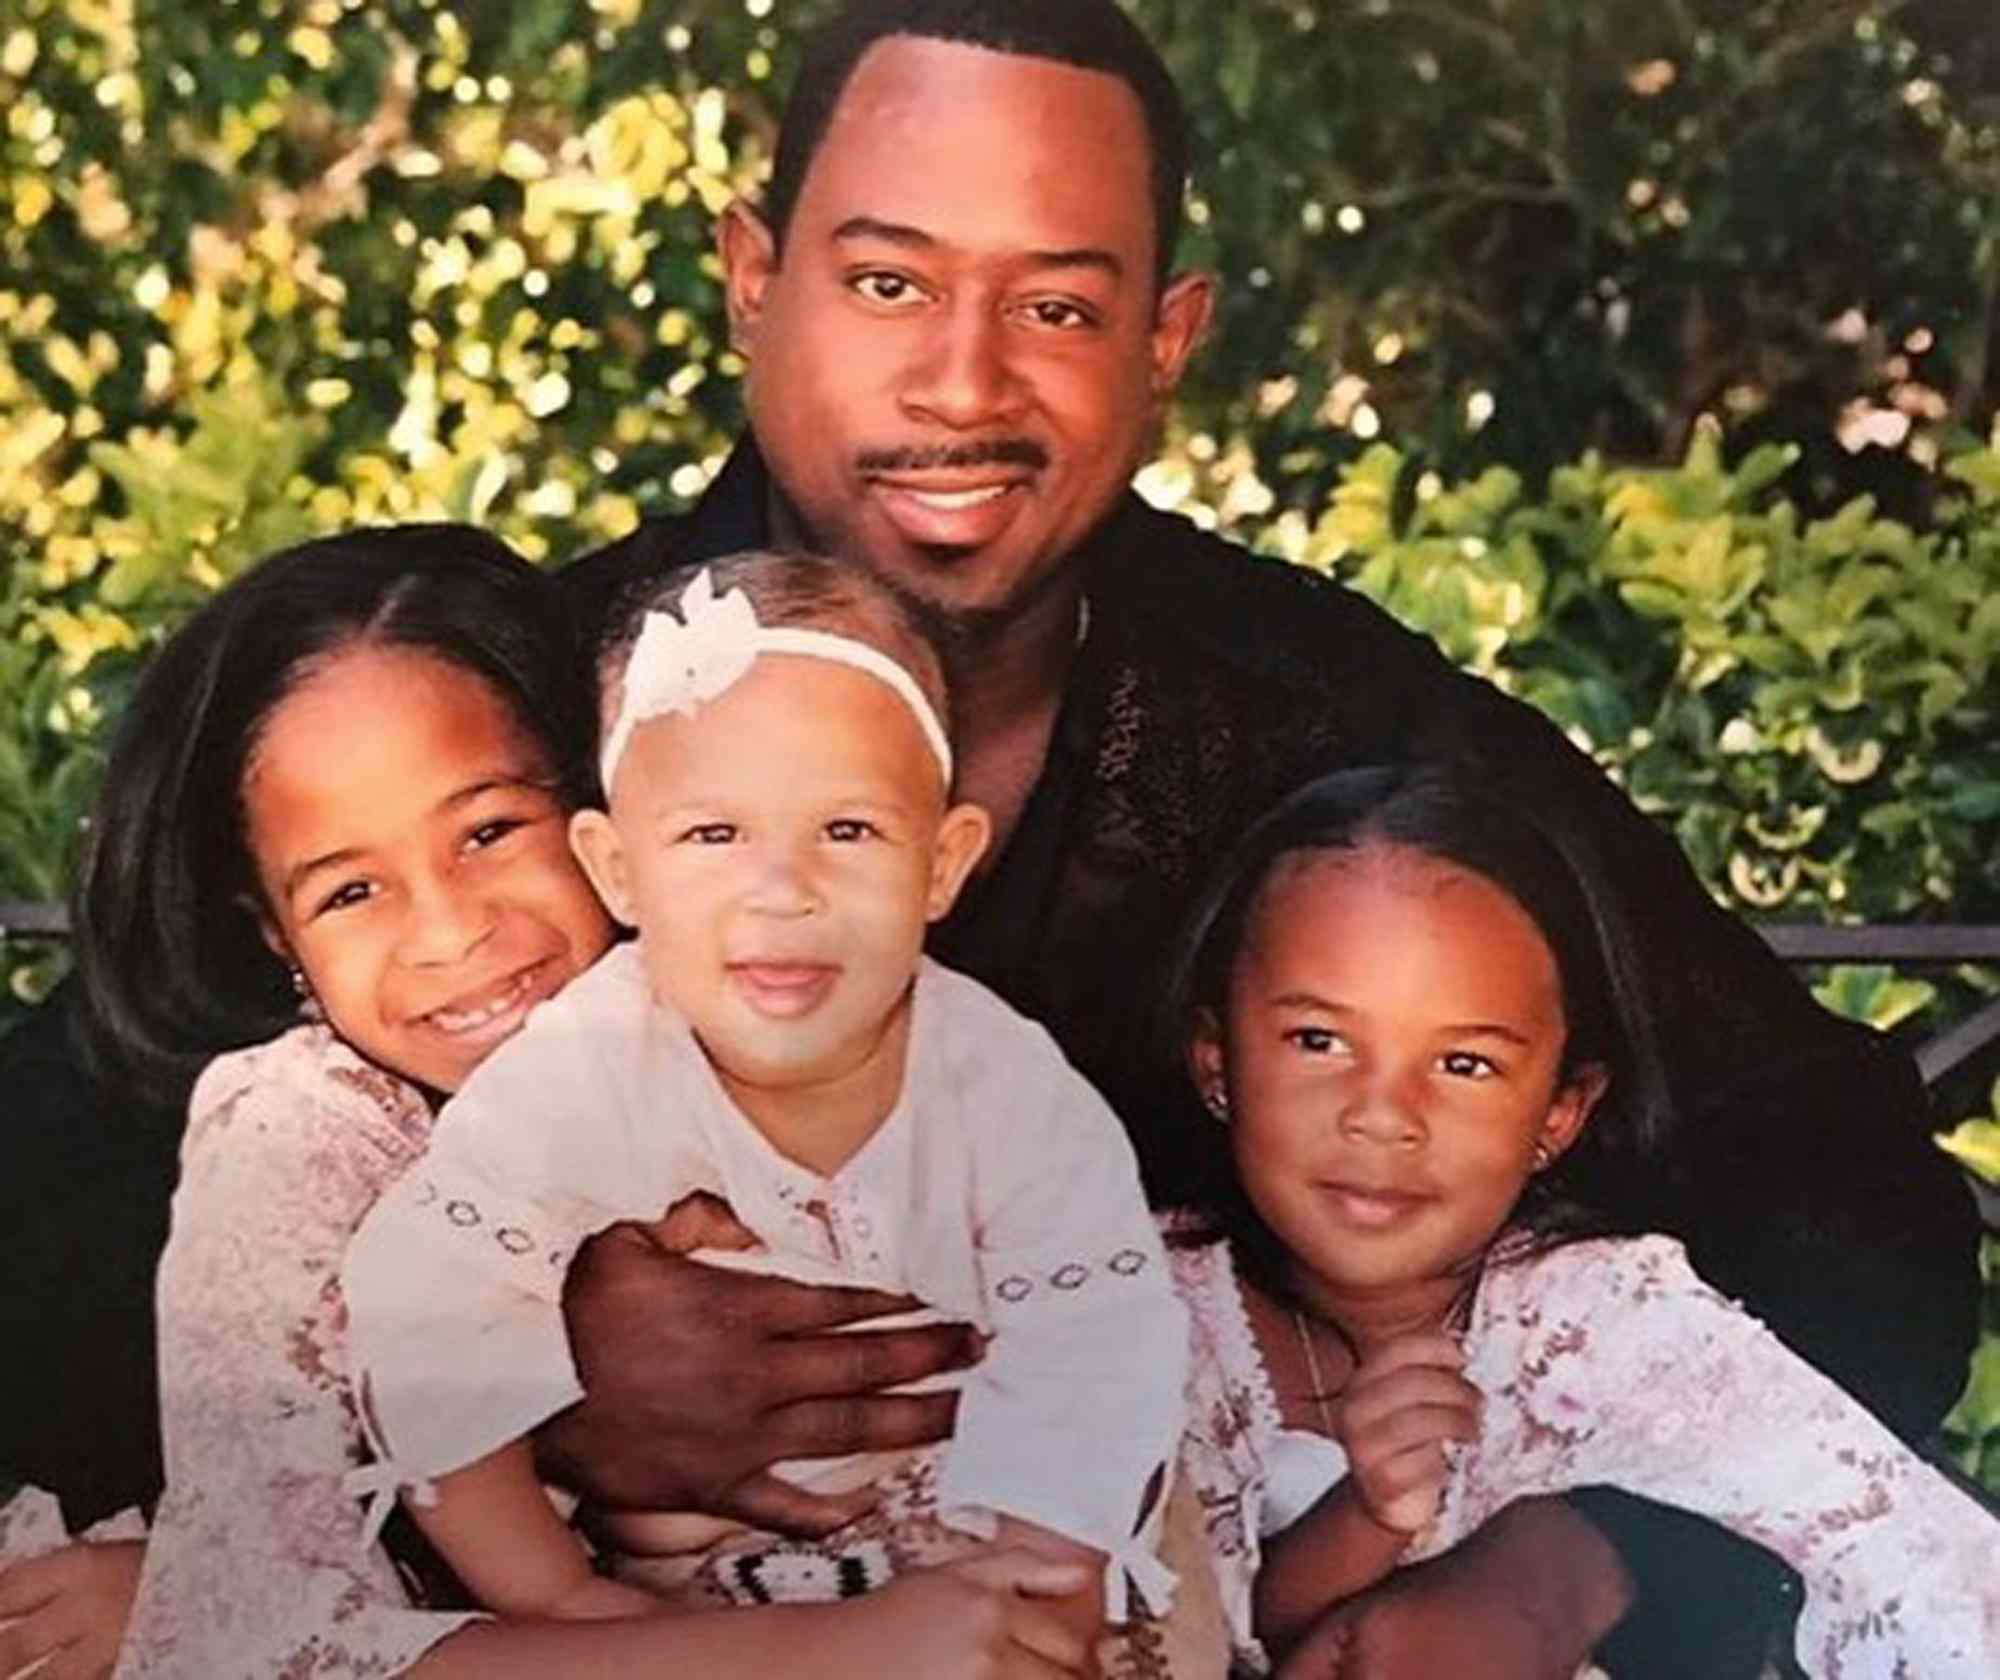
x: 1313, y: 1372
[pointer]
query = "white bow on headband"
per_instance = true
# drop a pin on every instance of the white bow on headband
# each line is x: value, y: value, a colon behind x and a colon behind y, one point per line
x: 680, y: 664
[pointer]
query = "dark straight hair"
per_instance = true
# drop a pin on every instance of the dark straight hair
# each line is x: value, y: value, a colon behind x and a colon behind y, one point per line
x: 173, y: 965
x: 1089, y: 34
x: 1599, y: 1185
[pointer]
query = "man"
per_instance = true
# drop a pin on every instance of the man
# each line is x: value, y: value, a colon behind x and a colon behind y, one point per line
x: 961, y: 326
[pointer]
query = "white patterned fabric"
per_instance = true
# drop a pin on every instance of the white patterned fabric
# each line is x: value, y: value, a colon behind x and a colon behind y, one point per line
x: 1610, y: 1363
x: 1000, y: 1190
x: 256, y: 1566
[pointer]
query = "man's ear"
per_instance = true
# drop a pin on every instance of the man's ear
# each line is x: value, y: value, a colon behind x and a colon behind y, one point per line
x: 1180, y: 322
x: 749, y: 252
x: 1570, y: 1112
x: 1208, y: 1059
x: 964, y: 832
x: 595, y: 841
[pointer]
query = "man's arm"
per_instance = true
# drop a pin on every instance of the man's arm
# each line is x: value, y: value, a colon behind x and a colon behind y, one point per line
x: 1528, y: 1597
x: 696, y: 1380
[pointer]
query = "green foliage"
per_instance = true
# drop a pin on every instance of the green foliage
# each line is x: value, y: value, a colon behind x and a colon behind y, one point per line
x: 1809, y: 703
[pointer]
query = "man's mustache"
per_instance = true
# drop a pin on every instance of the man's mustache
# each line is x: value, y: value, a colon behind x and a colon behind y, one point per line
x: 994, y: 452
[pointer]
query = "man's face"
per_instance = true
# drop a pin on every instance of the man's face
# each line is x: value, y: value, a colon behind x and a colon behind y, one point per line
x: 958, y: 364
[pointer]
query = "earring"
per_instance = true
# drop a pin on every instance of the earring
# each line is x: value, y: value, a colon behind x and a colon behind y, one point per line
x: 1542, y: 1157
x: 309, y: 1009
x: 1217, y: 1103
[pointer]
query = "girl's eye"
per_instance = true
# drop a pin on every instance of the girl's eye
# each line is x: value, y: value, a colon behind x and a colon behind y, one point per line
x: 492, y: 832
x: 344, y: 897
x: 710, y: 834
x: 848, y: 829
x: 885, y: 286
x: 1467, y: 1064
x: 1314, y: 1041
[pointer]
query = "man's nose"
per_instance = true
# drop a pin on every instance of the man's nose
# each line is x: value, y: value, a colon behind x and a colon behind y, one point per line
x: 964, y: 376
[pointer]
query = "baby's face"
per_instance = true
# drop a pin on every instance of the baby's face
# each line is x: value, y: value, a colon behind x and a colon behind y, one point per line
x: 780, y: 854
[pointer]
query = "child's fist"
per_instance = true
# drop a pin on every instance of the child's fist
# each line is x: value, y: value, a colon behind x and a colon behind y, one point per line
x: 1405, y: 1400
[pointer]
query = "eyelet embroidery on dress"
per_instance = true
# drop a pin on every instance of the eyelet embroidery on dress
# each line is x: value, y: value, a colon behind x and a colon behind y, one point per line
x: 1015, y: 1288
x: 1072, y: 1276
x: 462, y: 1213
x: 513, y: 1239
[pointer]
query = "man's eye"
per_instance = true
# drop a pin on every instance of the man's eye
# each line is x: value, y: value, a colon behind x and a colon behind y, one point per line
x: 710, y: 834
x: 1059, y: 313
x: 850, y: 829
x: 886, y: 287
x: 1466, y: 1064
x: 1314, y: 1041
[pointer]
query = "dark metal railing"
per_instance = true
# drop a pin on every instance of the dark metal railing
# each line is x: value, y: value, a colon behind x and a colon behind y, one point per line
x: 1927, y: 945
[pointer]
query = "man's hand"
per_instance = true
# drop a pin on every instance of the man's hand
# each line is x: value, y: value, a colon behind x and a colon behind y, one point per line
x: 698, y: 1379
x: 1526, y: 1598
x: 1404, y: 1401
x: 69, y: 1607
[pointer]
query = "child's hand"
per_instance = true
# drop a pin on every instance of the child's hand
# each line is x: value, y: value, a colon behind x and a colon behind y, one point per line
x: 72, y: 1606
x: 1404, y: 1401
x: 995, y: 1615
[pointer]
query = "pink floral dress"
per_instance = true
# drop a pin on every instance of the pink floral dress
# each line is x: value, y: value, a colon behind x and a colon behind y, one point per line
x: 256, y: 1565
x: 1610, y: 1363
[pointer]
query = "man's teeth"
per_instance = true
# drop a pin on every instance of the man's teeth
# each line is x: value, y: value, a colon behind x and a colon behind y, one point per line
x: 950, y: 501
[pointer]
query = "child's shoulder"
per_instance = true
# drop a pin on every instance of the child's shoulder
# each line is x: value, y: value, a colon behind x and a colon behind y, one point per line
x: 970, y: 1019
x: 300, y: 1095
x: 1589, y: 1277
x: 308, y: 1065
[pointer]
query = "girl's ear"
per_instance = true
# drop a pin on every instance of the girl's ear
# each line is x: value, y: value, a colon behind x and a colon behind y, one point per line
x: 1207, y: 1060
x: 253, y: 905
x: 1570, y: 1112
x: 594, y: 839
x: 962, y: 837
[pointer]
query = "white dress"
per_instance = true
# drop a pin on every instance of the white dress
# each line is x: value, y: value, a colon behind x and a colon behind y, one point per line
x: 1610, y: 1363
x: 1000, y: 1190
x: 256, y: 1565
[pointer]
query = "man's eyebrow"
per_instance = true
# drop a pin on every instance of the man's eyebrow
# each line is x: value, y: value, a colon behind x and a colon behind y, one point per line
x: 915, y: 239
x: 890, y: 233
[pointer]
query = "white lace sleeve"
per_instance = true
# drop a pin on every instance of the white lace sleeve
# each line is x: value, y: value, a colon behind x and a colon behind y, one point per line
x: 256, y: 1565
x: 1611, y: 1363
x: 1232, y: 1423
x: 1072, y: 1419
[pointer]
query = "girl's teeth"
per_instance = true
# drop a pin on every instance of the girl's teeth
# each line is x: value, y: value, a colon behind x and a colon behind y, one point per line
x: 950, y: 501
x: 469, y: 1020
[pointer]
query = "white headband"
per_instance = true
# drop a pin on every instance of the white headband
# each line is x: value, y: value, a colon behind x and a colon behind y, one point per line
x: 679, y: 664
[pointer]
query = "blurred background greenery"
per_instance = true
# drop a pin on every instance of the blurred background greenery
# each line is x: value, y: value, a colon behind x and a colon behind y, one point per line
x: 1642, y: 351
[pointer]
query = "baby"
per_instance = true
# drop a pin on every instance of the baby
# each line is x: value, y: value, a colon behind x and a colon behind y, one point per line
x: 779, y: 830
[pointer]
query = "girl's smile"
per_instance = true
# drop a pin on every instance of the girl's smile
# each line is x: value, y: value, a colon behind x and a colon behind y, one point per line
x: 1391, y: 1045
x: 414, y: 860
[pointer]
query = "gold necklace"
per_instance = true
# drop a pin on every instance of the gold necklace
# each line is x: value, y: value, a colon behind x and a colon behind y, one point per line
x: 1313, y: 1373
